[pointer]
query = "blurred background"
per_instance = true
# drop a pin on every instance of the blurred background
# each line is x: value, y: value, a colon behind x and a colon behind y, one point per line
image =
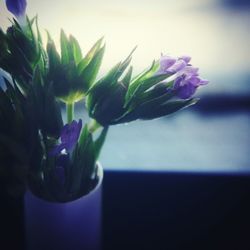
x: 214, y: 135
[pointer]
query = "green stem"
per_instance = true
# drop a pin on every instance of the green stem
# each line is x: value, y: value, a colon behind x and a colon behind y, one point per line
x: 70, y: 112
x: 93, y: 126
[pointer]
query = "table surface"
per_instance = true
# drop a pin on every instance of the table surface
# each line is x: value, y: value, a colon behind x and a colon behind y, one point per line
x: 147, y: 210
x: 150, y: 210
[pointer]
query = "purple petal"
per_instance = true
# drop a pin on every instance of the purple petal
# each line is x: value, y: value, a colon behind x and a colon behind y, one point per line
x: 68, y: 131
x: 166, y: 62
x: 191, y: 71
x: 56, y: 150
x: 194, y: 80
x: 179, y: 82
x: 185, y: 76
x: 62, y: 160
x: 186, y: 91
x: 69, y: 137
x: 185, y: 58
x: 70, y: 134
x: 203, y: 81
x: 179, y: 65
x: 16, y: 7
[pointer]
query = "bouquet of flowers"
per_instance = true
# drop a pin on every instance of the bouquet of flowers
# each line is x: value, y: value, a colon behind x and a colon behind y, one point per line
x: 57, y: 159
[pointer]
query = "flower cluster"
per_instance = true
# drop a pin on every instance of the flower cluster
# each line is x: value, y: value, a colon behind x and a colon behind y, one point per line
x: 58, y: 153
x: 187, y: 79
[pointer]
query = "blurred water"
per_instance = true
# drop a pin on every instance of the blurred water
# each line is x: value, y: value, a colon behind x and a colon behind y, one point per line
x: 184, y: 142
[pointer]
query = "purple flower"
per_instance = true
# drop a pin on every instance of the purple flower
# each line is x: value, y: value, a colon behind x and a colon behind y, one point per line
x: 185, y: 77
x: 17, y: 7
x: 186, y: 84
x: 69, y: 137
x: 179, y: 65
x: 165, y: 63
x: 185, y: 58
x: 172, y: 65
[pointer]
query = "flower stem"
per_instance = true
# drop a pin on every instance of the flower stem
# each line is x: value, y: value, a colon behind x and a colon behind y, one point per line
x: 70, y: 112
x: 93, y: 126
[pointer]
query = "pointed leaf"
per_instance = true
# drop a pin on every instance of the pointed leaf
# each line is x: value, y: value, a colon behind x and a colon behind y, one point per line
x: 127, y: 78
x: 53, y: 56
x: 100, y: 141
x: 85, y: 61
x: 90, y: 72
x: 166, y: 109
x: 142, y: 86
x: 65, y: 57
x: 77, y: 53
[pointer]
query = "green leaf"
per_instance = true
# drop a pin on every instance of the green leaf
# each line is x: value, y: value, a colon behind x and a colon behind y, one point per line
x: 53, y: 56
x: 90, y: 72
x: 39, y: 37
x: 166, y: 109
x: 100, y: 141
x: 101, y: 89
x: 85, y: 61
x: 6, y: 105
x: 146, y: 73
x: 124, y: 64
x: 83, y: 137
x: 77, y: 53
x: 108, y: 84
x: 83, y: 164
x: 106, y: 98
x: 142, y: 86
x: 136, y: 82
x: 127, y: 78
x: 52, y: 115
x: 65, y: 53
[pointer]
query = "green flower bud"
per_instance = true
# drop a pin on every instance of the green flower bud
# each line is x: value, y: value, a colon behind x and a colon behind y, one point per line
x: 112, y: 101
x: 21, y: 50
x: 71, y: 74
x: 106, y: 98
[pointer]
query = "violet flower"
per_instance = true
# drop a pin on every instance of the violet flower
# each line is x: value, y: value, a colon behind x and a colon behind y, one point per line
x: 172, y: 65
x: 185, y: 76
x: 186, y: 84
x: 69, y: 137
x: 18, y: 9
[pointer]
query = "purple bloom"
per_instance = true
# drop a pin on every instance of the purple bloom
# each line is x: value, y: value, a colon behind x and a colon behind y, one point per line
x: 185, y: 58
x: 179, y: 65
x: 185, y: 76
x: 171, y: 65
x: 186, y: 84
x: 69, y: 137
x: 17, y: 7
x: 166, y: 62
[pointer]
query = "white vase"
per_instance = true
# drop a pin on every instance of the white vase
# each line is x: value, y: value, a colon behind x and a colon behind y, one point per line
x: 74, y: 225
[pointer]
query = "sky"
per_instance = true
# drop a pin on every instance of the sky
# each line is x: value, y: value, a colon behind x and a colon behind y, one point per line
x: 215, y: 36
